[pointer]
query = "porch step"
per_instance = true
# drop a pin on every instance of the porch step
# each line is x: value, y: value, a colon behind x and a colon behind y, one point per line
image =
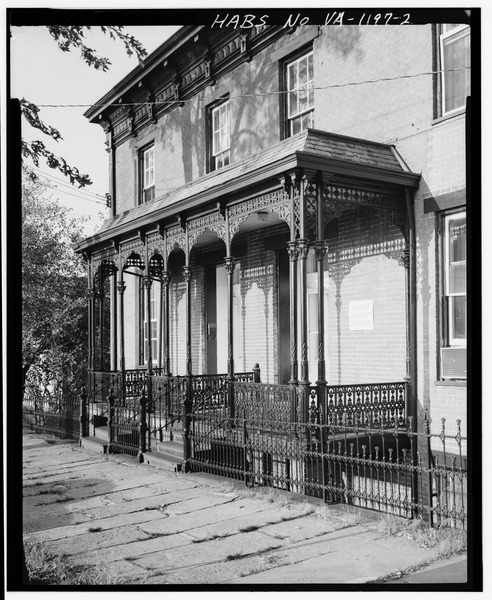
x: 168, y: 462
x: 102, y: 433
x: 172, y: 449
x: 94, y: 444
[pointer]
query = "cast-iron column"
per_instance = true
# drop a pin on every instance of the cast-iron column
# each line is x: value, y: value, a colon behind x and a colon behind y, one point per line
x: 230, y: 265
x: 293, y: 255
x: 188, y: 403
x: 166, y: 279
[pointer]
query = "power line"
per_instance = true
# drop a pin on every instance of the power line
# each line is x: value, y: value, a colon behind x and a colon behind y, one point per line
x: 59, y: 181
x: 82, y: 195
x: 257, y: 95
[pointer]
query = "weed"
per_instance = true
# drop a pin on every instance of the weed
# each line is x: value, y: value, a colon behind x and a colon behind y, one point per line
x: 446, y: 540
x: 247, y: 528
x: 94, y: 529
x: 45, y: 568
x: 233, y: 556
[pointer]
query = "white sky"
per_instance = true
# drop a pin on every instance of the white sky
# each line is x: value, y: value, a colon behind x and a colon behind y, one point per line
x: 43, y: 74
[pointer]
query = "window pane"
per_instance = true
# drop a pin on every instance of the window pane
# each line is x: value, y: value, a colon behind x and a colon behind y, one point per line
x: 456, y: 55
x: 457, y: 239
x: 303, y: 72
x: 296, y: 125
x: 458, y: 317
x: 457, y: 278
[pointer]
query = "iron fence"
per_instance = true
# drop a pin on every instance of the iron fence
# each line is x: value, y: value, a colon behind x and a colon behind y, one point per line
x: 373, y: 457
x: 56, y: 413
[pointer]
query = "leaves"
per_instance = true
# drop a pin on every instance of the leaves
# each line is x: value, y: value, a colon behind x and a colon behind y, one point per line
x: 54, y: 316
x: 36, y: 149
x: 69, y: 37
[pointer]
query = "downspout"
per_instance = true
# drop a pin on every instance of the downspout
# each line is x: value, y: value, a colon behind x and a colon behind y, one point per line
x: 411, y: 398
x: 411, y: 407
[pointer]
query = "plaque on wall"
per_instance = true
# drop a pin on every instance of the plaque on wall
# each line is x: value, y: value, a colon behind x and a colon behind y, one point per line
x: 361, y: 315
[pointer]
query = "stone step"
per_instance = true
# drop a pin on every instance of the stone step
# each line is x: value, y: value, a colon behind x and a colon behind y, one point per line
x: 94, y: 444
x: 174, y: 449
x: 165, y: 461
x: 102, y: 433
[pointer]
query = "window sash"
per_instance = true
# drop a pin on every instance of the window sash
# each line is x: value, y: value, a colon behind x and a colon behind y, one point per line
x: 455, y: 54
x: 455, y: 277
x: 220, y: 130
x: 300, y: 93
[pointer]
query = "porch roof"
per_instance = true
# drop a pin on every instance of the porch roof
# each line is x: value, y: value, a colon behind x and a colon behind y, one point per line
x: 333, y: 154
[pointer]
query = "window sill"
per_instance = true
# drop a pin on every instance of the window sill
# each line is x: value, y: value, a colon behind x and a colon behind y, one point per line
x: 457, y: 113
x: 451, y: 383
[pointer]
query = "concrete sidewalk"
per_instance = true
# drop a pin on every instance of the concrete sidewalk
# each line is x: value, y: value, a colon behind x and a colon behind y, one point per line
x: 145, y: 525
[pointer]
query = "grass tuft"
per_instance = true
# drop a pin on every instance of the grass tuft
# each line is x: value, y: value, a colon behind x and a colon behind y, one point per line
x: 234, y: 556
x: 446, y: 540
x: 45, y: 568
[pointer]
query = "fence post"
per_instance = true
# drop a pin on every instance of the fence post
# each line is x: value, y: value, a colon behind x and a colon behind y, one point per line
x: 256, y: 373
x: 143, y: 425
x: 429, y: 469
x: 83, y: 413
x: 110, y: 400
x: 187, y: 416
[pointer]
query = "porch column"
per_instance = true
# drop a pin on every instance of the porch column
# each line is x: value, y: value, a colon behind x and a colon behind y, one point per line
x: 100, y: 296
x: 303, y: 254
x: 187, y: 277
x: 147, y: 283
x: 121, y: 287
x: 320, y: 250
x: 166, y: 280
x: 91, y: 296
x: 230, y: 265
x: 188, y: 402
x: 294, y: 255
x: 114, y: 325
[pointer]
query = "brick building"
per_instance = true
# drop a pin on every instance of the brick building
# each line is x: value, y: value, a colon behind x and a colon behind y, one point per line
x: 261, y: 214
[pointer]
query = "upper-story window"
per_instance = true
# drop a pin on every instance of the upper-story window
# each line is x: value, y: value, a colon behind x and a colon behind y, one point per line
x: 221, y: 136
x: 455, y: 66
x: 148, y: 174
x: 299, y: 81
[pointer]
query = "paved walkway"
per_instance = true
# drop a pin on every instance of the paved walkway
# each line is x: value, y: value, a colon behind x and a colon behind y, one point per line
x: 149, y: 526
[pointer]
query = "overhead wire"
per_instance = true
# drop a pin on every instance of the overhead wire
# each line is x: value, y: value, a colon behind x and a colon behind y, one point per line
x: 59, y: 181
x: 257, y: 95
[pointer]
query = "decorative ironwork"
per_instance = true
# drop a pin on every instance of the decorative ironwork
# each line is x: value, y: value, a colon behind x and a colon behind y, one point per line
x: 156, y: 266
x: 376, y: 405
x: 277, y: 202
x: 213, y: 222
x: 176, y: 239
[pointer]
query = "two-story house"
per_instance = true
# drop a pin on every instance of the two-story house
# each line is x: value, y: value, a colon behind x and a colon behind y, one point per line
x: 293, y: 198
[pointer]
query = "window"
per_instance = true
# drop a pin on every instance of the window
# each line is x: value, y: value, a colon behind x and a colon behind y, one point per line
x: 455, y: 278
x: 299, y: 81
x: 455, y: 66
x: 221, y: 137
x: 154, y: 295
x: 148, y: 175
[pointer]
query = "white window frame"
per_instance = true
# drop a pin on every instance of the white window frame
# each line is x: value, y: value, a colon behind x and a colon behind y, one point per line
x: 295, y: 115
x: 450, y: 296
x: 447, y: 33
x: 221, y: 135
x: 154, y: 317
x: 148, y: 173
